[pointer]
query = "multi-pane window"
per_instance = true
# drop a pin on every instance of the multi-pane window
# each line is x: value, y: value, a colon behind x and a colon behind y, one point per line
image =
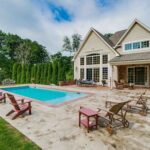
x: 144, y: 44
x: 105, y: 59
x: 136, y: 45
x: 96, y: 59
x: 89, y: 74
x: 96, y: 74
x: 93, y: 59
x: 81, y: 73
x: 82, y: 61
x: 128, y: 46
x: 105, y: 73
x: 89, y: 60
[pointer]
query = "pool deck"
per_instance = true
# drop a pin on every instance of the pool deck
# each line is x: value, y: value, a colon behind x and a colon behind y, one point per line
x: 57, y: 128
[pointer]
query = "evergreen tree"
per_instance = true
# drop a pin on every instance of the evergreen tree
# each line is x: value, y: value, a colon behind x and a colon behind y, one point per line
x: 55, y: 72
x: 61, y: 71
x: 18, y: 73
x: 23, y: 75
x: 41, y: 73
x: 14, y: 73
x: 45, y: 74
x: 28, y: 73
x: 33, y: 73
x: 49, y: 73
x: 38, y: 74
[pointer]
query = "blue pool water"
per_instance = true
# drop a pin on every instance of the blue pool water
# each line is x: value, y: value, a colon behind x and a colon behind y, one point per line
x: 45, y: 95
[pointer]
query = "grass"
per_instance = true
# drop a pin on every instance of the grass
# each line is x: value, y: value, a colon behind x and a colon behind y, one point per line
x: 12, y: 139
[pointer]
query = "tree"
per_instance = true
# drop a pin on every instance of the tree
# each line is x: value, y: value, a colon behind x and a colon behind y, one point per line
x: 19, y: 74
x: 76, y: 39
x: 71, y: 45
x: 33, y: 73
x: 108, y: 35
x: 28, y: 75
x: 45, y: 72
x: 55, y: 72
x: 38, y: 74
x: 23, y: 75
x: 14, y: 73
x: 49, y: 73
x: 61, y: 71
x: 41, y: 73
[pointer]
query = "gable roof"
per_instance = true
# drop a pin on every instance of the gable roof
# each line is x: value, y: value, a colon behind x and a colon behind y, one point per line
x: 129, y: 29
x: 104, y: 39
x: 116, y: 36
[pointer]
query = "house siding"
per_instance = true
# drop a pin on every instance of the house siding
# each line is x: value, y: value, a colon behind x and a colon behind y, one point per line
x: 137, y: 33
x: 93, y: 45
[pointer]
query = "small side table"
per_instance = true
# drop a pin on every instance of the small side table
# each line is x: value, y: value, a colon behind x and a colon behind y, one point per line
x: 88, y: 113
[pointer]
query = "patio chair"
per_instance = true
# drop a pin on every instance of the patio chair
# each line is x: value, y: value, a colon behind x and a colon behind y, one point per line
x: 114, y: 116
x: 118, y: 85
x: 140, y: 104
x: 2, y: 97
x: 18, y: 108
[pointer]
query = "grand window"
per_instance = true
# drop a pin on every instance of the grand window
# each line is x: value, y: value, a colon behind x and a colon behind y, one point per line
x: 82, y: 61
x: 96, y: 74
x: 93, y: 74
x: 81, y: 73
x: 105, y: 59
x: 93, y: 59
x: 105, y: 73
x: 137, y: 45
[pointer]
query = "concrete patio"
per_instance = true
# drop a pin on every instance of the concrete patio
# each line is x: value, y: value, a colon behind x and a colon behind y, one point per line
x: 57, y: 128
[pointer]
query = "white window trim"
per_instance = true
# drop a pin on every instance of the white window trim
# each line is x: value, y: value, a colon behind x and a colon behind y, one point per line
x: 135, y: 50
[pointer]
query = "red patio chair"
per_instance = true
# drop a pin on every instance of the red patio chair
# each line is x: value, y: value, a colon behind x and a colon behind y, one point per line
x: 2, y: 97
x: 19, y: 108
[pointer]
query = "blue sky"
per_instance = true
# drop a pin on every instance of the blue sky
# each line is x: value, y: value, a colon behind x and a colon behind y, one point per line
x: 48, y: 21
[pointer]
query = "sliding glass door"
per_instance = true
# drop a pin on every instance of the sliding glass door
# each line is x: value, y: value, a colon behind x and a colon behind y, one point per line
x: 137, y: 75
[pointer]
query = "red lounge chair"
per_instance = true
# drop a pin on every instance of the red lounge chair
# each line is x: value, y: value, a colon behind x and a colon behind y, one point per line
x: 2, y: 97
x: 19, y: 108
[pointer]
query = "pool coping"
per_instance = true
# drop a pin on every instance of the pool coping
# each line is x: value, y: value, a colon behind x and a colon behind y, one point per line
x: 46, y: 87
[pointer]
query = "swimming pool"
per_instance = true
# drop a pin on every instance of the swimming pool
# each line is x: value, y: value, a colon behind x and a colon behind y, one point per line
x: 49, y: 96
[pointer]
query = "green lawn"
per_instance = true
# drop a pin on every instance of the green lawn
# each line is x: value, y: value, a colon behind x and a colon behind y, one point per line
x: 11, y: 139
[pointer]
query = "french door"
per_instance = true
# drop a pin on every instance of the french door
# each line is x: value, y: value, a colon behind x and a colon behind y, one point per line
x: 138, y: 75
x: 93, y: 74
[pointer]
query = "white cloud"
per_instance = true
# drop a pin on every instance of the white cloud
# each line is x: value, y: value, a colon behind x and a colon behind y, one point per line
x: 32, y: 18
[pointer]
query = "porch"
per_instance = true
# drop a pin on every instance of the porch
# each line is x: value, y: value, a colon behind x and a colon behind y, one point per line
x: 137, y: 74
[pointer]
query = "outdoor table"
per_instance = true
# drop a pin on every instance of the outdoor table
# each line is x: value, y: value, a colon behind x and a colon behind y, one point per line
x: 88, y: 113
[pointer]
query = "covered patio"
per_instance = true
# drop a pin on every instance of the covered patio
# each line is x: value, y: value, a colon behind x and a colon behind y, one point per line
x: 132, y: 68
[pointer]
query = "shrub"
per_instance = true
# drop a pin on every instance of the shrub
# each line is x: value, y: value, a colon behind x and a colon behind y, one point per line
x: 28, y: 75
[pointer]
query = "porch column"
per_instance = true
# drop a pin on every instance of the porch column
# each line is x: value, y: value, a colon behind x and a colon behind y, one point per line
x: 114, y: 72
